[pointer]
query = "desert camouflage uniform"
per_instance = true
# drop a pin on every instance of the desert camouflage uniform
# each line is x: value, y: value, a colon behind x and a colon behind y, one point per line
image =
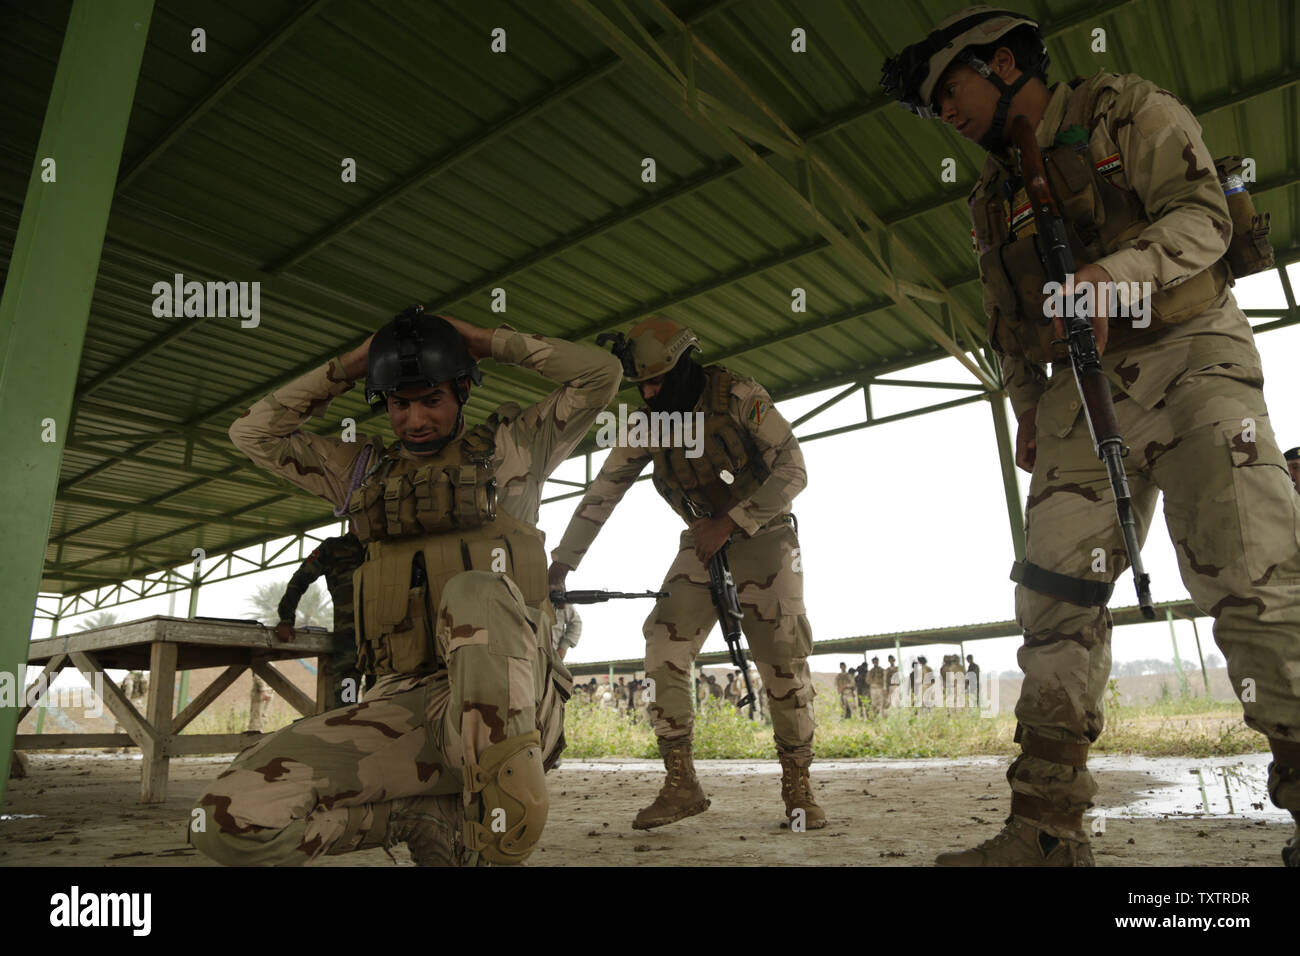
x: 844, y: 687
x: 876, y: 686
x: 893, y: 688
x: 568, y: 627
x: 763, y: 561
x: 326, y: 784
x: 336, y: 558
x: 135, y: 687
x: 259, y: 703
x: 1190, y: 406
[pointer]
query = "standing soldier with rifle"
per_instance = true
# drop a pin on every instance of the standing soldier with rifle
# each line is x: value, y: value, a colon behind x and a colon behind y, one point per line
x: 1108, y: 178
x: 743, y: 482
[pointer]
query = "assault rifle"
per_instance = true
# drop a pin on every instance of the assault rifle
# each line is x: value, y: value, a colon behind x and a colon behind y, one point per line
x: 560, y: 598
x: 1081, y: 342
x: 722, y: 588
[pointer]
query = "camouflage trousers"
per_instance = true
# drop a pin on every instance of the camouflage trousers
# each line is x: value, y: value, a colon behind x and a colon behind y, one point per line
x: 1234, y: 520
x: 848, y: 698
x: 325, y: 784
x: 775, y: 626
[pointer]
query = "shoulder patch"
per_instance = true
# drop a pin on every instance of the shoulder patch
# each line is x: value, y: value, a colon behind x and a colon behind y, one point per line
x: 758, y: 410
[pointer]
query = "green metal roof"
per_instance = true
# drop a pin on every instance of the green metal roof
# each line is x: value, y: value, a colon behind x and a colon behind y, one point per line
x: 522, y: 170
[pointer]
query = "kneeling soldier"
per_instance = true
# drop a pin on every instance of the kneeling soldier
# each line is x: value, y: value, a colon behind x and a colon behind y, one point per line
x: 447, y: 752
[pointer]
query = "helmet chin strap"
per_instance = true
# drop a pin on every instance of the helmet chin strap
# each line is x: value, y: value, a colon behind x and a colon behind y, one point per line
x: 991, y: 141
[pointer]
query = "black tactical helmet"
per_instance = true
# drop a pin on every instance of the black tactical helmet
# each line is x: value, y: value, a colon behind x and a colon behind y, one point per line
x: 417, y: 350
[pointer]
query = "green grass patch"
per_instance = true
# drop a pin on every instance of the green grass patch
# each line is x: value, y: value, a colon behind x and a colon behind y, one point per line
x: 1175, y: 727
x: 1186, y: 727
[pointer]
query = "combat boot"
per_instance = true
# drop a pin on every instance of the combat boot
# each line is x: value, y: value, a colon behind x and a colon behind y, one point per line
x: 1021, y: 843
x: 796, y: 790
x: 681, y: 795
x: 1291, y: 852
x: 1284, y: 788
x: 431, y: 828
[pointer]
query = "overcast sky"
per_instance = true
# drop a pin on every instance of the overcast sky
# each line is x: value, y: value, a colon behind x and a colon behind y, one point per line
x: 903, y: 526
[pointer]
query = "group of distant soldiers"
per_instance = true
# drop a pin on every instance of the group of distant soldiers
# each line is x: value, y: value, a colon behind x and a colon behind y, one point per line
x: 872, y: 691
x: 732, y: 693
x: 632, y: 696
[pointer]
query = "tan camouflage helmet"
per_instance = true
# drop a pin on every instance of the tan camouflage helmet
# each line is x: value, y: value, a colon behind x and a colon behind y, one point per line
x: 912, y: 75
x: 655, y: 345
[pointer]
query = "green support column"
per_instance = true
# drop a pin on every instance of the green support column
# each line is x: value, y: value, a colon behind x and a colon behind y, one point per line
x: 1205, y: 675
x: 1178, y: 661
x: 48, y: 291
x: 1007, y: 458
x: 183, y: 697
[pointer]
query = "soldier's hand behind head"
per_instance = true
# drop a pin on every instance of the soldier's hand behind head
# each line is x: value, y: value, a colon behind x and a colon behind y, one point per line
x: 477, y: 340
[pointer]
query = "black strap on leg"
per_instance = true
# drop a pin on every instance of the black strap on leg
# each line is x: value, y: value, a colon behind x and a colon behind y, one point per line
x: 1079, y: 591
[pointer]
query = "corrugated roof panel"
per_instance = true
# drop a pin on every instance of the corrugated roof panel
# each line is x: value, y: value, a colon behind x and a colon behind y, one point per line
x: 523, y: 171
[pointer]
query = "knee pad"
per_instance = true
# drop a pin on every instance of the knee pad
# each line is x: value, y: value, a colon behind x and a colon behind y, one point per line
x: 508, y: 805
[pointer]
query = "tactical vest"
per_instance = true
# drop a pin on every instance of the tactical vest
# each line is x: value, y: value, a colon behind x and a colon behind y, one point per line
x: 1100, y: 218
x: 727, y: 450
x: 423, y: 522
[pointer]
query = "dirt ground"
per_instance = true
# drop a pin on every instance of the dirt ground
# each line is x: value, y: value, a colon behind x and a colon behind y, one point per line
x: 80, y: 809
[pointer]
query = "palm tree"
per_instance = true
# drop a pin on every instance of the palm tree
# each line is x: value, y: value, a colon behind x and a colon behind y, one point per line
x: 102, y: 619
x: 315, y: 608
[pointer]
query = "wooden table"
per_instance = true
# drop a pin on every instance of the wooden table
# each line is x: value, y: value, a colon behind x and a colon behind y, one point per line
x: 162, y: 646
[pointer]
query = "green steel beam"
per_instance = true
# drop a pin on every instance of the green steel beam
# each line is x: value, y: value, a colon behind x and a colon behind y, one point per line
x: 1122, y: 616
x: 1007, y: 461
x: 445, y: 161
x: 291, y: 25
x: 900, y: 416
x: 47, y: 294
x: 858, y: 254
x: 113, y: 504
x: 462, y: 151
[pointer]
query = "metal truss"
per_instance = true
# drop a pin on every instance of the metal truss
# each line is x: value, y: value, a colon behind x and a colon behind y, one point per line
x: 225, y: 567
x: 858, y: 235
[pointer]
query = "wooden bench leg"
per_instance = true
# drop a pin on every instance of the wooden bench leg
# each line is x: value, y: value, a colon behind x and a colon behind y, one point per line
x: 324, y: 682
x: 162, y: 677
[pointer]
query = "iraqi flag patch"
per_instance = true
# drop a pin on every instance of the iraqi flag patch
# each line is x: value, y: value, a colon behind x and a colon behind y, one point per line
x: 1111, y: 164
x: 1021, y: 215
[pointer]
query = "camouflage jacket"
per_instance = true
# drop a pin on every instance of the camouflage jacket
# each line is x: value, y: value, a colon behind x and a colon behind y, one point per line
x: 336, y: 558
x: 751, y: 407
x: 529, y: 445
x: 1166, y: 164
